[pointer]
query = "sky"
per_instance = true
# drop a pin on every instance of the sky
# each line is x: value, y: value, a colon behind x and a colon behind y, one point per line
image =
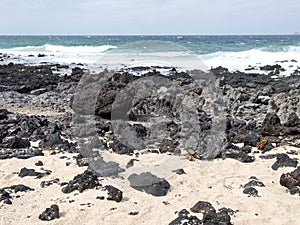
x: 104, y: 17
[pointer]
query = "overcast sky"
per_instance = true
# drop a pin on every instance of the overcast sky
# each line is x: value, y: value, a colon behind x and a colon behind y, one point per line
x: 149, y: 16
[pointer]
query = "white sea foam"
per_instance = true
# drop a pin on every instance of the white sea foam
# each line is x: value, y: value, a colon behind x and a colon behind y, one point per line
x: 59, y: 54
x: 254, y: 58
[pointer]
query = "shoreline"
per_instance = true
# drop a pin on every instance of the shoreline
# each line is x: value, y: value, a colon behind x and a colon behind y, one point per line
x: 259, y: 108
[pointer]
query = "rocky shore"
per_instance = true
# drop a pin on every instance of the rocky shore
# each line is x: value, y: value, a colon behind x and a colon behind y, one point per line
x: 116, y: 148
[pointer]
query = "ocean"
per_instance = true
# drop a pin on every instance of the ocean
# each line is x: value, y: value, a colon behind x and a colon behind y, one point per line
x: 234, y: 52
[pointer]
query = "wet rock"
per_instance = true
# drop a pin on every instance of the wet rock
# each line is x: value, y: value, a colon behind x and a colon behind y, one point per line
x: 270, y: 67
x: 291, y: 181
x: 81, y: 182
x: 146, y: 182
x: 50, y: 213
x: 283, y: 160
x: 250, y: 191
x: 114, y: 194
x: 203, y: 207
x: 184, y: 218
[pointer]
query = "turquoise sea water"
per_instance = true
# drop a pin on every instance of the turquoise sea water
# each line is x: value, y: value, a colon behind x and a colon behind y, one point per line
x: 234, y: 52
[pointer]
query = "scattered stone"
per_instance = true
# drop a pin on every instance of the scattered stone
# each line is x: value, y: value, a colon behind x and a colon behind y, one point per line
x: 283, y: 160
x: 203, y: 207
x: 48, y: 183
x: 149, y: 183
x: 39, y: 163
x: 133, y: 213
x: 184, y: 218
x: 291, y: 181
x: 100, y: 197
x: 24, y: 172
x: 179, y: 171
x: 131, y: 163
x: 114, y: 194
x: 50, y: 213
x: 254, y: 183
x: 81, y: 182
x: 250, y: 191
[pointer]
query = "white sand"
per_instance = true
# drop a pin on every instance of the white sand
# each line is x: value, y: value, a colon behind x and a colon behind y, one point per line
x: 275, y: 206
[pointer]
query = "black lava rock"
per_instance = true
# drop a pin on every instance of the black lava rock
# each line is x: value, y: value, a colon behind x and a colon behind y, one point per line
x: 254, y: 183
x: 203, y: 207
x: 24, y: 172
x: 251, y: 140
x: 17, y: 142
x: 251, y: 191
x: 149, y: 183
x: 20, y: 153
x: 268, y: 148
x: 271, y: 125
x: 291, y: 181
x: 283, y: 160
x: 120, y: 148
x: 184, y: 218
x: 81, y: 182
x: 114, y: 194
x: 39, y: 163
x: 50, y: 213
